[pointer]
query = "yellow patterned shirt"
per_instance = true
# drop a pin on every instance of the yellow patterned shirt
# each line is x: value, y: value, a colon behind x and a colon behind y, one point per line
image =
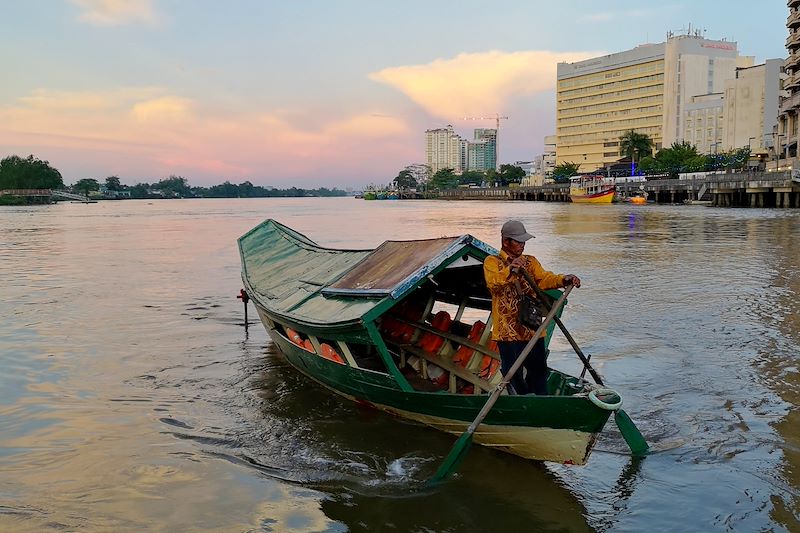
x: 505, y: 299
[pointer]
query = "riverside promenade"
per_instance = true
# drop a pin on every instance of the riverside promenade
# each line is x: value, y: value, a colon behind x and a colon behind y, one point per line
x: 735, y: 189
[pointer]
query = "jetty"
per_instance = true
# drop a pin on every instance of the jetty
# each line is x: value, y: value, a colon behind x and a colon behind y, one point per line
x: 731, y: 189
x: 44, y: 195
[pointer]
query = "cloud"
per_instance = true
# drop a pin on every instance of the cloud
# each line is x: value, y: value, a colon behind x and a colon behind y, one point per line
x: 166, y: 108
x: 477, y: 83
x: 160, y: 133
x: 117, y: 12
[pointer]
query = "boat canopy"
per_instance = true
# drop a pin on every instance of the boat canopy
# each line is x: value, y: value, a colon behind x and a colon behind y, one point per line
x: 291, y: 275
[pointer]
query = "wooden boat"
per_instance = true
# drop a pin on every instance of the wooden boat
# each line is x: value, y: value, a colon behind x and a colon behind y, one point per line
x: 591, y: 190
x: 406, y: 328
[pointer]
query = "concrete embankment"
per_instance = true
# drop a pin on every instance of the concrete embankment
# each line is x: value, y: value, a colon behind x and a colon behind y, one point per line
x: 765, y: 189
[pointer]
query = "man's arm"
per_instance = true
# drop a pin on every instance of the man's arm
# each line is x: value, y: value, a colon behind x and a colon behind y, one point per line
x: 496, y: 273
x: 544, y: 278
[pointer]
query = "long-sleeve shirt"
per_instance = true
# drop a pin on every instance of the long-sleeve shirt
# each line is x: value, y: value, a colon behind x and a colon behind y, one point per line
x: 505, y: 298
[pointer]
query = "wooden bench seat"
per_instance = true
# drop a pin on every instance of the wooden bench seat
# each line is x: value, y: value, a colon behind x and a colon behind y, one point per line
x: 461, y: 341
x: 446, y: 364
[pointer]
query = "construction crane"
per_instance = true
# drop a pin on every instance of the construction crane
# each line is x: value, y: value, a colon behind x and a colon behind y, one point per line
x: 497, y: 118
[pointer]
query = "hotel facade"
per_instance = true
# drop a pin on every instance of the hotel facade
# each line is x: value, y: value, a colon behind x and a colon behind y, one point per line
x: 647, y: 89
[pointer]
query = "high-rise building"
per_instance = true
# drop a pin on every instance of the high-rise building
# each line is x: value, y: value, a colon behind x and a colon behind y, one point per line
x: 786, y: 135
x: 486, y: 138
x: 645, y: 89
x: 443, y: 149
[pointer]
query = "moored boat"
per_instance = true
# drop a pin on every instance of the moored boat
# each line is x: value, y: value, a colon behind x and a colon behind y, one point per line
x: 591, y: 190
x: 406, y: 328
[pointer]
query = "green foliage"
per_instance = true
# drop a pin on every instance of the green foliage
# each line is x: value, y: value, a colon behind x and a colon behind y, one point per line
x: 563, y: 172
x: 444, y: 178
x: 28, y: 173
x: 139, y: 190
x: 7, y: 199
x: 85, y: 185
x: 510, y: 174
x: 471, y: 177
x: 491, y: 177
x: 734, y: 159
x: 405, y: 180
x: 113, y: 184
x: 680, y: 157
x: 174, y: 186
x: 635, y: 144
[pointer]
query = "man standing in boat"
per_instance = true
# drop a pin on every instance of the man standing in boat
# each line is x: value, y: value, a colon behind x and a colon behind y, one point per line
x: 506, y: 284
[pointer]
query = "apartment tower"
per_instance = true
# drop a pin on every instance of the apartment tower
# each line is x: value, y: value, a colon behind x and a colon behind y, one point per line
x: 786, y: 135
x: 443, y: 149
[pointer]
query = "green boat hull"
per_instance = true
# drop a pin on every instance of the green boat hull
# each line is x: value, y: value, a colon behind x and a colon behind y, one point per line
x: 560, y: 428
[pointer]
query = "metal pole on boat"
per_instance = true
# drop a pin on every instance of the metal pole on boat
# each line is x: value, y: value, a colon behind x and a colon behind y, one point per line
x: 459, y: 449
x: 244, y: 298
x: 633, y: 437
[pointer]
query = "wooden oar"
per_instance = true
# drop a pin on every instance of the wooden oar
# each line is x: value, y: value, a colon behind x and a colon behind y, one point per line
x: 633, y: 437
x: 459, y: 449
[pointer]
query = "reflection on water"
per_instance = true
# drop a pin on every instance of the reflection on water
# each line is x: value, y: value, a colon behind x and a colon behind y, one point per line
x: 132, y: 398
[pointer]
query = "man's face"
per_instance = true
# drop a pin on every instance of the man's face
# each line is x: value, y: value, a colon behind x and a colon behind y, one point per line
x: 513, y: 248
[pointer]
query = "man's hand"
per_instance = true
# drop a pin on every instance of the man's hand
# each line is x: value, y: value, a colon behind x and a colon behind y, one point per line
x: 518, y: 262
x: 572, y: 279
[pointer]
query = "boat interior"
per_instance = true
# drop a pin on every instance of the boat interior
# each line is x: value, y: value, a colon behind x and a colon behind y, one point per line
x: 438, y: 335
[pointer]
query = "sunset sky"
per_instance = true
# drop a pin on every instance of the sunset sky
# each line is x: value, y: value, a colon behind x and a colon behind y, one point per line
x: 310, y: 92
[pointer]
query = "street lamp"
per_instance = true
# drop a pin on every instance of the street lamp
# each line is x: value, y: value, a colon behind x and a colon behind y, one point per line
x: 716, y: 160
x: 777, y: 153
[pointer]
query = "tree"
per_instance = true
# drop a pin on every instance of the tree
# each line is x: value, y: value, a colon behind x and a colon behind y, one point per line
x: 139, y: 190
x: 28, y: 173
x: 176, y: 185
x: 563, y: 172
x: 491, y: 177
x: 85, y: 185
x: 113, y: 184
x: 471, y: 177
x: 444, y: 178
x: 635, y: 144
x: 680, y: 157
x: 405, y: 180
x: 511, y: 174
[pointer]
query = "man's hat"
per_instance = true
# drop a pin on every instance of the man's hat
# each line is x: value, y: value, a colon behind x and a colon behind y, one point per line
x: 513, y: 229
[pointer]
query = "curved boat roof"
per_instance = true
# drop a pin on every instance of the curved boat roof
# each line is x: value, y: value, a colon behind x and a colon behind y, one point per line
x: 291, y: 275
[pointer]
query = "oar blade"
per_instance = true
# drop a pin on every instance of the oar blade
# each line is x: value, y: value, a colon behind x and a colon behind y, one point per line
x: 453, y: 459
x: 633, y: 437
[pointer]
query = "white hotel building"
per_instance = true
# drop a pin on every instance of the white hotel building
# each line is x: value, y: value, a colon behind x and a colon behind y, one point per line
x: 648, y: 89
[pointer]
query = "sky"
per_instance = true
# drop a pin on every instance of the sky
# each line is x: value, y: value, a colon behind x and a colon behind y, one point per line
x: 310, y: 93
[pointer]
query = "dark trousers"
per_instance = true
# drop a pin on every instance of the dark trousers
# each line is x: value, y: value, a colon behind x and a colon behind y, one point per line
x: 535, y: 365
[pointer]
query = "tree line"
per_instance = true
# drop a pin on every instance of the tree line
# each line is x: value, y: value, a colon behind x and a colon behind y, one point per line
x: 446, y: 178
x: 33, y: 173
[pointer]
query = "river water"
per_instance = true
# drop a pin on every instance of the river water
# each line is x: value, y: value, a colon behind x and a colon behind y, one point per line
x: 132, y: 398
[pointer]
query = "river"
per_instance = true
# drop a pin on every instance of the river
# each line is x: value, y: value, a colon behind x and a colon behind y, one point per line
x: 132, y: 398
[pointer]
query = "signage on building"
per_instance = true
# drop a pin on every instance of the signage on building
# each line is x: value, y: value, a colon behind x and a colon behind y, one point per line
x: 721, y: 46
